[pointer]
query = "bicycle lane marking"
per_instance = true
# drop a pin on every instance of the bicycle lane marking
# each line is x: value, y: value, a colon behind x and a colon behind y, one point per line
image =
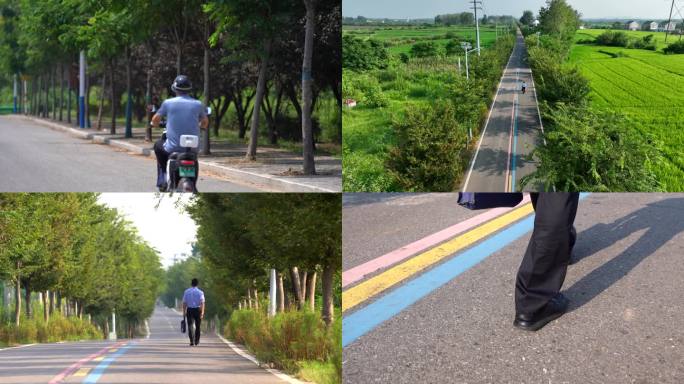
x: 74, y: 367
x: 357, y: 273
x: 377, y: 284
x: 384, y: 308
x: 100, y: 369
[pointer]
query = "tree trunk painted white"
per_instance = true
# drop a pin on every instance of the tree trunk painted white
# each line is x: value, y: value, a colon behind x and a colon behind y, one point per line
x: 17, y: 297
x: 311, y: 290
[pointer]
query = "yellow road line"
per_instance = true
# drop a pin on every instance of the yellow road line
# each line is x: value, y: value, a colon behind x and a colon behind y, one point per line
x: 82, y: 372
x: 113, y: 349
x: 371, y: 287
x: 99, y: 358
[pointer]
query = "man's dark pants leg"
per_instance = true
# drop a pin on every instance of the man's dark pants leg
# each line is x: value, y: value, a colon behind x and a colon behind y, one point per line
x: 162, y: 159
x: 193, y: 316
x: 545, y: 263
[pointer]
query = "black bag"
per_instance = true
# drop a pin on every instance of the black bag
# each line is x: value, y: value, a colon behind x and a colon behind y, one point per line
x: 183, y: 326
x: 484, y: 200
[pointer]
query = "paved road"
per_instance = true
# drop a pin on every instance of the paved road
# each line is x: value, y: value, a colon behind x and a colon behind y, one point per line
x: 38, y: 159
x: 624, y: 325
x: 511, y: 132
x: 165, y: 357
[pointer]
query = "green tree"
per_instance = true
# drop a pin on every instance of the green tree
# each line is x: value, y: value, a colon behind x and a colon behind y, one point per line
x: 559, y: 19
x: 527, y: 18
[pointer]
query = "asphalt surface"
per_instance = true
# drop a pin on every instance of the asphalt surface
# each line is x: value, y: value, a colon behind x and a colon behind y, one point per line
x: 165, y: 357
x: 624, y: 324
x: 510, y: 134
x: 38, y: 159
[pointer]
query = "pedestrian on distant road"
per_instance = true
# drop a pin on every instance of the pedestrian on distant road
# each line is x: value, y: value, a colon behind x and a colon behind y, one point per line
x: 541, y: 274
x: 193, y: 308
x: 524, y: 87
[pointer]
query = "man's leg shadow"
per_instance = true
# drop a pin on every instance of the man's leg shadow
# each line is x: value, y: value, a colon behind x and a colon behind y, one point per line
x: 663, y: 220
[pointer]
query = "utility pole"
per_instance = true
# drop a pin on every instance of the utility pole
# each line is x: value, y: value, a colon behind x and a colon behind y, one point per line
x: 14, y: 110
x: 272, y: 294
x: 475, y: 7
x: 667, y: 26
x: 81, y: 90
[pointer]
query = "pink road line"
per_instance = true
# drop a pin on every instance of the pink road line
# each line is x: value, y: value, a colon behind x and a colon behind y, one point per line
x: 75, y: 366
x: 355, y: 274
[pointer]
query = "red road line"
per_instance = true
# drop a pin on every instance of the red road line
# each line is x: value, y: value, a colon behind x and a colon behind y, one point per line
x: 75, y: 366
x: 357, y: 273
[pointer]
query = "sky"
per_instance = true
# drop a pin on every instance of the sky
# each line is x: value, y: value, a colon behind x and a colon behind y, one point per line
x: 165, y: 228
x: 401, y: 9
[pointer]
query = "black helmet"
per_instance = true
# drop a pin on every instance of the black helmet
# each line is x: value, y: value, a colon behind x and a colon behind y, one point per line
x: 181, y: 84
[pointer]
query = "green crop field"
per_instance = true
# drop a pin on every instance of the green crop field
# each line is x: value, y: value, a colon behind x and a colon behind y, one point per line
x: 401, y: 39
x: 646, y: 86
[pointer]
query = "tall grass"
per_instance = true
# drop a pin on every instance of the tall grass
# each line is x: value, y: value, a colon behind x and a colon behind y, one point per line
x: 58, y: 328
x: 298, y: 342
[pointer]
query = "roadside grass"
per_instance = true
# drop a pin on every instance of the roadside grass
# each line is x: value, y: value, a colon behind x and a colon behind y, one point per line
x: 643, y: 85
x: 297, y: 342
x: 36, y: 330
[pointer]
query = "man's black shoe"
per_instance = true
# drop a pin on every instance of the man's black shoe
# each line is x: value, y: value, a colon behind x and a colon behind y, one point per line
x: 192, y: 345
x: 163, y: 188
x: 554, y: 309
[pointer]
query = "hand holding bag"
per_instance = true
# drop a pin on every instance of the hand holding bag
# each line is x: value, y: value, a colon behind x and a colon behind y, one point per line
x: 183, y: 325
x: 484, y: 200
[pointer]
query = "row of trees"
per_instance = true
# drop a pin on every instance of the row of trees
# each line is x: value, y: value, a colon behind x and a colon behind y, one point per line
x: 585, y: 149
x: 258, y: 56
x: 83, y: 258
x: 241, y: 237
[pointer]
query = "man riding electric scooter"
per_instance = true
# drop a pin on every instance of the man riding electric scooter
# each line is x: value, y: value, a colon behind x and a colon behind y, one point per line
x: 184, y: 115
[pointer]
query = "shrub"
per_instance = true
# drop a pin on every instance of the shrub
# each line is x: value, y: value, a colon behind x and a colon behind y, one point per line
x: 362, y: 55
x: 424, y: 49
x: 675, y: 48
x: 430, y: 151
x: 557, y: 83
x: 613, y: 39
x: 404, y: 57
x: 594, y: 151
x: 453, y: 47
x: 374, y: 97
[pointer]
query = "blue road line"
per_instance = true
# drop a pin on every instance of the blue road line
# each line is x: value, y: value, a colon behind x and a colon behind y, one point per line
x: 95, y: 375
x: 371, y: 316
x: 515, y: 142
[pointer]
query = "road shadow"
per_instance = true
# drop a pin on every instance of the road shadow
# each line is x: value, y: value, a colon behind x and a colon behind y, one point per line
x: 662, y: 221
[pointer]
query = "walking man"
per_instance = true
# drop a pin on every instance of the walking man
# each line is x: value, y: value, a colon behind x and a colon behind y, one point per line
x: 524, y: 87
x: 537, y: 289
x: 193, y: 308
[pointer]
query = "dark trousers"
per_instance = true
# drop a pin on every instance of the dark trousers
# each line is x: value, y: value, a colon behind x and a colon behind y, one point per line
x: 193, y: 316
x: 545, y: 263
x: 162, y: 155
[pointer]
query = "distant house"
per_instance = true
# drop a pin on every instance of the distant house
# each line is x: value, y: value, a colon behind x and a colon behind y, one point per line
x: 671, y: 26
x: 583, y: 27
x: 535, y: 23
x: 653, y: 26
x: 350, y: 103
x: 632, y: 25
